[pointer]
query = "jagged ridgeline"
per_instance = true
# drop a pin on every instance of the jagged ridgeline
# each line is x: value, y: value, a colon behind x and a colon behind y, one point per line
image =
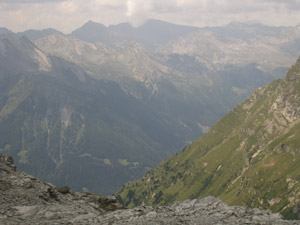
x: 250, y: 157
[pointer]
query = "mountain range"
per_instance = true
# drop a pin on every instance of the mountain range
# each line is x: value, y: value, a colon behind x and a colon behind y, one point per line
x: 101, y: 106
x: 61, y: 124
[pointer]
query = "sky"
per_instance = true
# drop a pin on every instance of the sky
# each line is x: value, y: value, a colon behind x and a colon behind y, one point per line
x: 68, y: 15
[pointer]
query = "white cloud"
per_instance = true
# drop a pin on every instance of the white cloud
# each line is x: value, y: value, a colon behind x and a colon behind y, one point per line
x: 107, y: 3
x: 138, y: 11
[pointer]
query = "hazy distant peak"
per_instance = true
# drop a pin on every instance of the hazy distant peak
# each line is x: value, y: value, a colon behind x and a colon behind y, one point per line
x: 25, y: 51
x: 132, y: 51
x: 8, y: 35
x: 243, y: 24
x: 92, y: 32
x: 47, y: 30
x: 155, y: 22
x: 38, y: 34
x: 16, y: 42
x: 92, y: 24
x: 55, y: 37
x: 122, y: 27
x: 62, y: 42
x: 25, y: 40
x: 54, y: 41
x: 4, y: 30
x: 150, y: 22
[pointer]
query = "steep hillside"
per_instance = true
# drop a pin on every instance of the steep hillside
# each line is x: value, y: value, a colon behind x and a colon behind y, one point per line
x: 250, y: 157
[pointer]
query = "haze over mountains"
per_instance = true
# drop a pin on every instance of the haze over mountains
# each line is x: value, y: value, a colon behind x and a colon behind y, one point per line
x: 101, y: 106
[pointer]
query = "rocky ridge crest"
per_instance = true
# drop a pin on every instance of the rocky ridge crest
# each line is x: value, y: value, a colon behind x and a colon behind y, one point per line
x: 27, y: 200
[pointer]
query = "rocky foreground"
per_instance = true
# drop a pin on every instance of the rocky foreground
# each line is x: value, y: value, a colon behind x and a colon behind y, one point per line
x: 27, y: 200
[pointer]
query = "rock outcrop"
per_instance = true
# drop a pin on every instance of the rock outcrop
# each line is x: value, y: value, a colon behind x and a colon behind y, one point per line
x: 27, y: 200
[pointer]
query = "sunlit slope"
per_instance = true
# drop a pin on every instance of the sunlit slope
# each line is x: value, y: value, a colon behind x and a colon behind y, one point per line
x: 250, y: 157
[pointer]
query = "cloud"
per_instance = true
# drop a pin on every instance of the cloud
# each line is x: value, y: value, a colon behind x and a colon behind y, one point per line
x: 290, y: 4
x: 64, y: 15
x: 29, y: 1
x: 138, y: 11
x: 67, y: 15
x: 215, y: 12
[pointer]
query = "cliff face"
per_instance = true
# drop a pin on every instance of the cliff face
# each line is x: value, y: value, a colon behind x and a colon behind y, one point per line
x: 250, y: 157
x: 27, y: 200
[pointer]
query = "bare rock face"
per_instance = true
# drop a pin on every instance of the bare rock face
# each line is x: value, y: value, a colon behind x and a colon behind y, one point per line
x: 7, y: 163
x: 27, y: 200
x: 206, y: 211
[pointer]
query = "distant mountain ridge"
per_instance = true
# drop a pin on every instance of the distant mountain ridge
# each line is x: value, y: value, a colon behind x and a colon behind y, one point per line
x: 150, y: 34
x: 250, y: 157
x: 236, y: 44
x: 4, y: 30
x: 38, y: 34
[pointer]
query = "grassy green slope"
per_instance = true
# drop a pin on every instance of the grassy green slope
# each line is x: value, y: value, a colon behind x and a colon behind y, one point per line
x: 250, y: 157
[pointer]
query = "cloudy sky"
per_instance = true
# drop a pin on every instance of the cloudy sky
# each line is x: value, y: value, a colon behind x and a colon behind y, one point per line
x: 67, y: 15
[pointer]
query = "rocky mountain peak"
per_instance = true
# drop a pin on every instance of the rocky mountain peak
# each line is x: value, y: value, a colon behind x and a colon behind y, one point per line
x: 38, y: 34
x: 7, y: 163
x: 60, y: 45
x: 92, y: 24
x: 143, y: 64
x: 131, y: 45
x: 27, y: 200
x: 24, y: 53
x: 93, y: 32
x: 4, y: 30
x: 16, y: 42
x: 83, y: 53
